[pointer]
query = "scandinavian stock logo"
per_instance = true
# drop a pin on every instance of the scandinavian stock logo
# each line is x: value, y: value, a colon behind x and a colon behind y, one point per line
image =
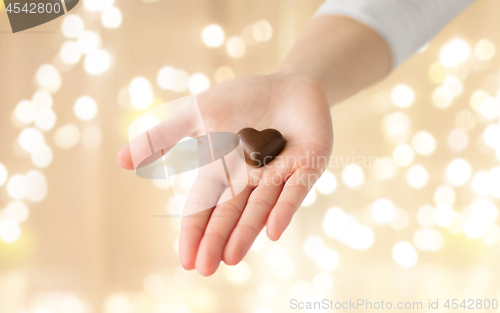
x: 26, y: 14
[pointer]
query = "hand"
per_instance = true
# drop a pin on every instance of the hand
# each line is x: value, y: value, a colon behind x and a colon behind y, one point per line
x: 298, y: 108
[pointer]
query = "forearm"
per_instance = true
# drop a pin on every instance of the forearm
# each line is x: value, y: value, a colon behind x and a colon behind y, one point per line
x: 341, y: 54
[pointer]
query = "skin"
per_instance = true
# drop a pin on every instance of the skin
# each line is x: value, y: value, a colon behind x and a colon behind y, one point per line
x: 333, y: 59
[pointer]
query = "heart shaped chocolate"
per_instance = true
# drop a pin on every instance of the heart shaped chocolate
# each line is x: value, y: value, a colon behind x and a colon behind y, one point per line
x: 260, y: 147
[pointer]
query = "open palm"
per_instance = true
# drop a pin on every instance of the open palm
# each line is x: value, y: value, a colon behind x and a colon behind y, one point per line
x: 295, y: 107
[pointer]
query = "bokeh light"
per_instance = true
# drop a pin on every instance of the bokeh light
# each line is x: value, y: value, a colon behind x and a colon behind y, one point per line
x: 67, y: 136
x: 48, y: 77
x: 262, y: 31
x: 30, y: 139
x: 405, y: 254
x: 402, y: 96
x: 9, y: 231
x: 88, y: 41
x: 167, y: 78
x: 223, y: 74
x: 417, y: 176
x: 383, y: 210
x: 455, y: 52
x: 97, y: 62
x: 70, y: 52
x: 458, y: 172
x: 85, y: 108
x: 485, y: 50
x: 141, y: 93
x: 198, y: 83
x: 72, y: 26
x: 353, y: 176
x: 443, y: 215
x: 25, y: 112
x: 403, y: 155
x: 424, y: 143
x: 111, y: 17
x: 326, y: 184
x: 213, y: 35
x: 458, y: 140
x: 442, y: 97
x: 236, y: 47
x: 444, y: 194
x: 45, y: 119
x: 42, y: 156
x: 4, y: 174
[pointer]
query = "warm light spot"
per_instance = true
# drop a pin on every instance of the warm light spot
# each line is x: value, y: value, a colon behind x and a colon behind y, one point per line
x: 236, y: 47
x: 223, y: 74
x: 198, y: 83
x: 313, y: 245
x: 481, y: 183
x: 417, y: 176
x: 327, y: 259
x: 491, y: 236
x: 4, y: 174
x: 404, y: 254
x: 491, y: 136
x: 477, y: 98
x: 88, y: 42
x: 97, y: 62
x: 425, y: 216
x: 438, y: 73
x: 489, y: 108
x: 402, y: 96
x: 383, y: 211
x: 17, y: 211
x: 147, y: 122
x: 458, y: 140
x: 458, y: 172
x: 111, y: 17
x: 182, y: 81
x: 85, y: 108
x: 48, y: 77
x: 454, y: 85
x: 403, y: 155
x: 385, y: 169
x: 444, y: 194
x: 424, y: 143
x: 465, y: 119
x: 495, y: 181
x: 485, y: 50
x: 326, y: 184
x: 42, y: 99
x: 334, y: 223
x: 213, y: 35
x: 72, y: 26
x: 67, y: 136
x: 262, y: 31
x: 141, y: 93
x: 45, y: 119
x: 353, y: 176
x: 443, y: 215
x: 428, y: 240
x: 42, y: 156
x: 70, y: 52
x: 397, y: 126
x: 167, y: 78
x: 36, y: 186
x: 9, y: 231
x: 30, y: 139
x: 310, y: 198
x: 25, y: 112
x: 16, y: 188
x: 454, y: 53
x: 442, y: 97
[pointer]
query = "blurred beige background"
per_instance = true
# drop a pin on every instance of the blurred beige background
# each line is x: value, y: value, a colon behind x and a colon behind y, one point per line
x: 76, y: 232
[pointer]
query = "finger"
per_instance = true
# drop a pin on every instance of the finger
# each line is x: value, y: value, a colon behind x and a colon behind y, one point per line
x: 185, y: 120
x: 200, y: 202
x: 253, y: 219
x: 294, y: 192
x: 223, y: 220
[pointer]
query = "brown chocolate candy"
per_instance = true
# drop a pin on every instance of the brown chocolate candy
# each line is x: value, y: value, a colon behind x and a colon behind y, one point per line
x: 260, y: 147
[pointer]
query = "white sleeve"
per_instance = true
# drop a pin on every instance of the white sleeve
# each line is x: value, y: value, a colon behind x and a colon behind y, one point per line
x: 407, y: 25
